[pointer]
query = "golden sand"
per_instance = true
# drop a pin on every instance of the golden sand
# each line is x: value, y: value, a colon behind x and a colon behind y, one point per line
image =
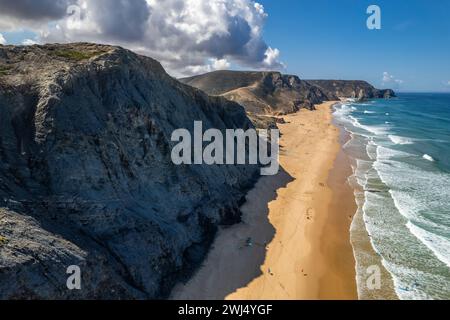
x: 294, y: 239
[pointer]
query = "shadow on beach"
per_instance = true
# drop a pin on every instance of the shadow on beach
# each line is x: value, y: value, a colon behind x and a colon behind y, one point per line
x: 238, y: 252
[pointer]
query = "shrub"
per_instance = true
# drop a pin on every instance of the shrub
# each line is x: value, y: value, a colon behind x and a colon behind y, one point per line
x: 4, y: 70
x: 3, y: 240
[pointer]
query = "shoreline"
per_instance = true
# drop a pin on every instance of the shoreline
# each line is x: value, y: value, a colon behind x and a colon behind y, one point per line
x: 364, y: 251
x: 298, y: 223
x: 343, y: 208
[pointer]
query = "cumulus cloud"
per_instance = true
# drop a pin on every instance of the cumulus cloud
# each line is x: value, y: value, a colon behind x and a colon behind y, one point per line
x: 223, y: 64
x: 271, y: 56
x: 213, y: 65
x: 35, y: 10
x: 390, y: 80
x: 2, y: 39
x: 29, y: 42
x: 187, y: 36
x: 19, y: 14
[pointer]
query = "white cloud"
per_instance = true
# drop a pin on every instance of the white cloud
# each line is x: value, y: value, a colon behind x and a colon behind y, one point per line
x: 220, y: 64
x: 271, y: 57
x: 35, y: 10
x: 390, y: 80
x: 2, y: 39
x: 212, y: 65
x: 260, y: 9
x: 185, y: 35
x: 29, y: 42
x: 21, y: 14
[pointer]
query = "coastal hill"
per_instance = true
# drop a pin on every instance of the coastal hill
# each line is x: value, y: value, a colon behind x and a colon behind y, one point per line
x: 352, y: 89
x: 264, y: 94
x: 261, y: 92
x: 86, y: 176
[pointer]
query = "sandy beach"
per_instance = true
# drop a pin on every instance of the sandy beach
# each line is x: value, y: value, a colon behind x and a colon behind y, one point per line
x: 297, y: 224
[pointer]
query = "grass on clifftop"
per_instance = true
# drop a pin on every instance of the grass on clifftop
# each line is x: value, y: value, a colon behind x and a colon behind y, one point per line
x: 76, y: 55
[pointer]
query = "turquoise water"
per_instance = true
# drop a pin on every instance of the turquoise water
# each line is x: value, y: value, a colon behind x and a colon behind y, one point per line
x: 401, y: 150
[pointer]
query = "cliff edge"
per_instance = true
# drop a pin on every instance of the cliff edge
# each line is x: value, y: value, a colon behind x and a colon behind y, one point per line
x: 269, y: 93
x: 356, y: 89
x: 265, y: 94
x: 86, y: 177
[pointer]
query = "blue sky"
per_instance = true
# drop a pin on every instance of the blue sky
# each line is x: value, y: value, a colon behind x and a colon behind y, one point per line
x: 320, y: 39
x: 329, y: 39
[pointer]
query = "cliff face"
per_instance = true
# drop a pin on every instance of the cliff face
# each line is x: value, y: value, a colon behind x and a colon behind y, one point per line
x: 271, y: 93
x: 352, y: 89
x: 86, y: 177
x: 261, y: 93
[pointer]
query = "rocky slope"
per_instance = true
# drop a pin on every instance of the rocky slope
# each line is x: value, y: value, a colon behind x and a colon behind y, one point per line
x: 271, y: 93
x: 261, y: 93
x: 352, y: 89
x: 86, y: 177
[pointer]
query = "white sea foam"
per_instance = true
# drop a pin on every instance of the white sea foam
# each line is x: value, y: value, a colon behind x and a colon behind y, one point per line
x: 369, y: 112
x: 404, y: 210
x: 428, y: 157
x: 371, y: 149
x: 361, y: 171
x: 384, y: 153
x: 400, y: 140
x: 405, y: 253
x: 421, y: 197
x: 376, y: 130
x: 343, y: 110
x: 405, y: 281
x: 438, y: 244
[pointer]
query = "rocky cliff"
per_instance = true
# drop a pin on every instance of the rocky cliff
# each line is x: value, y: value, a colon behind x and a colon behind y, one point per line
x: 261, y: 93
x: 352, y: 89
x: 86, y: 177
x: 271, y: 93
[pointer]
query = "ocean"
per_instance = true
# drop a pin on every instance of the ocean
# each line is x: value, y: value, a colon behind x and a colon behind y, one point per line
x: 400, y: 152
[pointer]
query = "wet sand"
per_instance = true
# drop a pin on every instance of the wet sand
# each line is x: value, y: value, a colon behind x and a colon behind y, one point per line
x: 294, y: 240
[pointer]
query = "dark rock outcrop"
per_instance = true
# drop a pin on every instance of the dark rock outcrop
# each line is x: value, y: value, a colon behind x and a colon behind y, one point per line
x: 86, y: 176
x: 352, y: 89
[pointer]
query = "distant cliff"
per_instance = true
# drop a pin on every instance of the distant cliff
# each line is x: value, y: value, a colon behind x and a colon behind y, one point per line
x: 272, y: 93
x: 268, y: 93
x: 352, y: 89
x: 86, y: 176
